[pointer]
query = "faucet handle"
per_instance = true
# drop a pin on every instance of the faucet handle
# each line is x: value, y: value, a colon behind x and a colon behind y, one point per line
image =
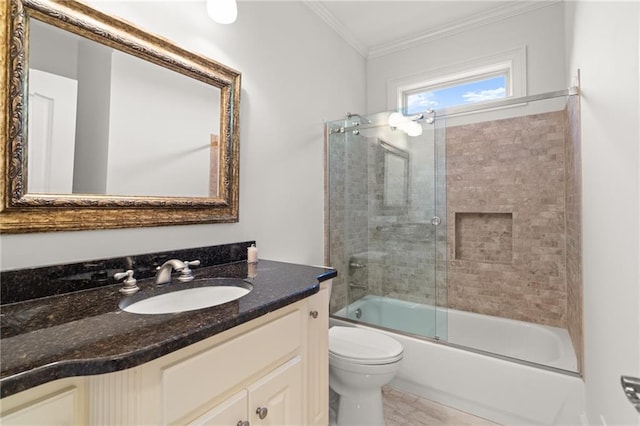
x: 186, y: 273
x: 130, y: 286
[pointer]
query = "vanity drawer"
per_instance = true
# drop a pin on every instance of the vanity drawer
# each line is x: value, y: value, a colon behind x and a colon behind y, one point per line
x: 192, y: 383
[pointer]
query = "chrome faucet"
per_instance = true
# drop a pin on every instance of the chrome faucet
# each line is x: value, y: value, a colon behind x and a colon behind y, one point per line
x: 163, y: 276
x: 130, y: 286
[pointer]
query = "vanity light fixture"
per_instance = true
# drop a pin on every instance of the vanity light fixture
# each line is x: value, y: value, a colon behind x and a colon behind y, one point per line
x: 222, y: 11
x: 413, y: 129
x: 409, y: 125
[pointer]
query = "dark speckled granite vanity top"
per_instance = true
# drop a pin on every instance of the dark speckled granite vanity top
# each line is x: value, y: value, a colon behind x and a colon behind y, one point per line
x: 85, y: 332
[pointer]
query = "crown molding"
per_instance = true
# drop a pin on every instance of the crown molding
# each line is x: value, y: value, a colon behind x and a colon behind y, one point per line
x: 504, y: 11
x: 336, y: 25
x: 499, y: 13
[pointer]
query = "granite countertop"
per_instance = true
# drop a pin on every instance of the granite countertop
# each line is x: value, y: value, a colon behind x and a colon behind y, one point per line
x: 85, y: 332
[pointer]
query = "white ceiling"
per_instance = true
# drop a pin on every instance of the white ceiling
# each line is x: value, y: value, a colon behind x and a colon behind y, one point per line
x: 376, y: 27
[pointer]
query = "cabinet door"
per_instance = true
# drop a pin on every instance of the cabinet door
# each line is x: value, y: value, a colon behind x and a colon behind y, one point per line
x: 192, y: 382
x: 60, y: 409
x: 276, y: 399
x: 231, y: 412
x: 317, y: 379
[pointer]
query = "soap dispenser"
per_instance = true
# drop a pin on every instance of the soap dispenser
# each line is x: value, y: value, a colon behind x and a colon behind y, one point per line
x: 252, y: 254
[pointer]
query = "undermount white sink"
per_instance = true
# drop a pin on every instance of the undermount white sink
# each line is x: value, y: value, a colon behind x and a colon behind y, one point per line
x: 189, y: 299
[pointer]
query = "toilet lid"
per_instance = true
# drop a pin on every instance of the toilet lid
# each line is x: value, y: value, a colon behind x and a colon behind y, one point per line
x: 363, y: 346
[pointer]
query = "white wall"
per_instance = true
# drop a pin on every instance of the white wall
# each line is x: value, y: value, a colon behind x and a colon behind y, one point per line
x: 52, y: 50
x: 156, y: 145
x: 603, y: 41
x: 296, y: 73
x: 540, y: 30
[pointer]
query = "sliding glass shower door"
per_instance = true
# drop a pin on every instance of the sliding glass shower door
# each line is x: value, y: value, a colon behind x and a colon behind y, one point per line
x: 387, y: 233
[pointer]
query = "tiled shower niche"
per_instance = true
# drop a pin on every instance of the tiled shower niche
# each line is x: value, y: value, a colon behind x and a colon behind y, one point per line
x: 484, y: 237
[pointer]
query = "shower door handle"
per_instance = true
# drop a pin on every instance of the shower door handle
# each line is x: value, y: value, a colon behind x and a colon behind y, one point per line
x: 631, y: 386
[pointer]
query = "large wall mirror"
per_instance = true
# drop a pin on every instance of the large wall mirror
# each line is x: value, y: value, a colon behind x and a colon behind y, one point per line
x: 107, y: 126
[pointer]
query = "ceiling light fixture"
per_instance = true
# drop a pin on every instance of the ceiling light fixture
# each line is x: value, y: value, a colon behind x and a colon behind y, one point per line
x: 222, y: 11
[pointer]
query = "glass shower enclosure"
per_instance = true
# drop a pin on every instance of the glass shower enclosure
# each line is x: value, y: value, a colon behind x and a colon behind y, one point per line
x: 387, y: 198
x: 477, y: 247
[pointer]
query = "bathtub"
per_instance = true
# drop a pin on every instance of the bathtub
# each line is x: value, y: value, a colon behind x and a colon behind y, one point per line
x: 540, y: 344
x: 492, y: 387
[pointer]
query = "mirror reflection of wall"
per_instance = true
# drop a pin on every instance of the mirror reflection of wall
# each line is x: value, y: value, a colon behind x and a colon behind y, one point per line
x: 396, y: 176
x: 156, y: 146
x: 133, y: 133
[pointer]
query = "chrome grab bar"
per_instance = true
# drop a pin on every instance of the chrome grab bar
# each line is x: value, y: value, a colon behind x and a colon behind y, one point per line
x: 356, y: 265
x: 631, y: 386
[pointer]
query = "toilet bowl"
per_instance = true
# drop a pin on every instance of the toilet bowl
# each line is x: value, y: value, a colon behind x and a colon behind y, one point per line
x: 360, y: 363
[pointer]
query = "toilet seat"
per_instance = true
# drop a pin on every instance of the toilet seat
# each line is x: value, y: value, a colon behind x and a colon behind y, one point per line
x: 360, y: 346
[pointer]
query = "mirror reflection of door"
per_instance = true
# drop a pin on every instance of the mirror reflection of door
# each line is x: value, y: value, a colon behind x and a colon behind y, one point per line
x: 52, y: 122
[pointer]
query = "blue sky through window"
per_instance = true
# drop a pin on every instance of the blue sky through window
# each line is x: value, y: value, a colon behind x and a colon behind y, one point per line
x: 461, y: 94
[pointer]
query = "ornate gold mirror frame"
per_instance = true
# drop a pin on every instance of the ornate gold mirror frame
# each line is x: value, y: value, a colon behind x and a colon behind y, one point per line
x: 23, y: 212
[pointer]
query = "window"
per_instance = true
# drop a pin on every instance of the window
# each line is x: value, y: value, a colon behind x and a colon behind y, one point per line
x: 482, y: 85
x: 453, y: 85
x: 456, y: 93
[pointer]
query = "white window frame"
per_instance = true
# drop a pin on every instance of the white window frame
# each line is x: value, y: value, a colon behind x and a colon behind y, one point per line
x: 511, y: 63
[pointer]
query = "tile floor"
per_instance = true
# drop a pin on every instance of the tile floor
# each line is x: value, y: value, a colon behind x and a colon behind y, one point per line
x: 402, y: 409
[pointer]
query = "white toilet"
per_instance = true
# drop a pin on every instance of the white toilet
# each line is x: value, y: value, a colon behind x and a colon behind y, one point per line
x: 360, y: 363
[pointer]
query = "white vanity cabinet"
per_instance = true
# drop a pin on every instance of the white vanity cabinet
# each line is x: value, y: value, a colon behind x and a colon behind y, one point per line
x: 227, y: 412
x: 59, y: 403
x: 272, y: 370
x: 276, y: 399
x: 317, y: 356
x: 191, y: 382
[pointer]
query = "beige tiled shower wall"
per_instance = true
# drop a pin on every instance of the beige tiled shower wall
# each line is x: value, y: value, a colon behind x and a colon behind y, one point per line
x: 506, y: 188
x: 573, y: 202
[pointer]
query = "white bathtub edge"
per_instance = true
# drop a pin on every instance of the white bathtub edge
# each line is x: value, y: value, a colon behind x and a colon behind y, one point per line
x: 498, y: 390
